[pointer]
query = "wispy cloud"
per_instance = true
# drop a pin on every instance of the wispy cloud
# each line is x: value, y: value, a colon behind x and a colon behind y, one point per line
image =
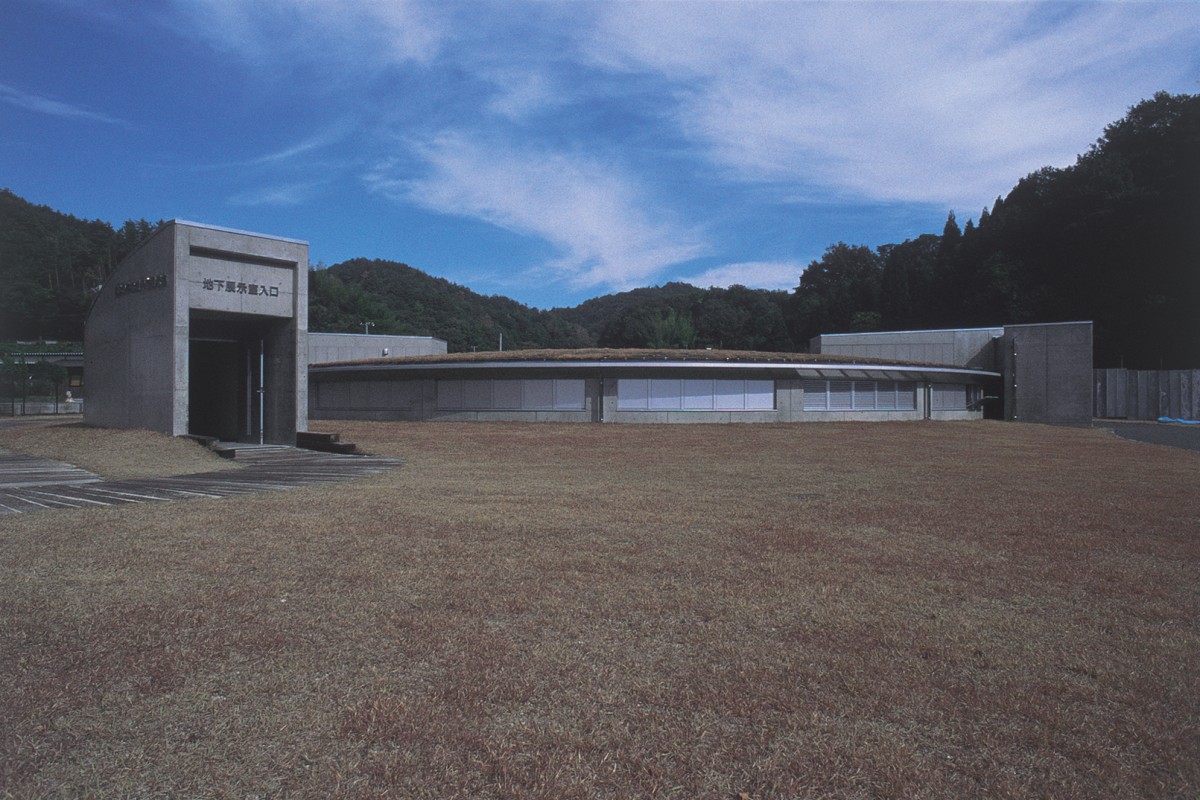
x: 755, y: 274
x: 354, y: 35
x: 291, y: 194
x: 55, y: 108
x: 895, y: 101
x: 608, y: 233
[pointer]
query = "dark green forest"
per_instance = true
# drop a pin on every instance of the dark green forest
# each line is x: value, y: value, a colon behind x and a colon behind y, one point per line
x: 1114, y: 238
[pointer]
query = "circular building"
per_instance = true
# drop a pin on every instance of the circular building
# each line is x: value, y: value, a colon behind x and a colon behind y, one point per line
x: 657, y: 386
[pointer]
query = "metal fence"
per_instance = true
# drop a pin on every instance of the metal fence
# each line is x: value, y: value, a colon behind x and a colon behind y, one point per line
x: 1146, y: 394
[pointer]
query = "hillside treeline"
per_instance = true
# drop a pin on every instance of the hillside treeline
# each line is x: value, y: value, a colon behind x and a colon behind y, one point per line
x: 1114, y: 238
x: 51, y: 262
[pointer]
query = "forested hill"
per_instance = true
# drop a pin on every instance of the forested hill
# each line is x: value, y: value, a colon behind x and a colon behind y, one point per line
x: 1114, y: 238
x: 396, y: 298
x: 49, y: 264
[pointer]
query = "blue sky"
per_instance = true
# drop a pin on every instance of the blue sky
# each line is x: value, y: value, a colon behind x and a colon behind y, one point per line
x: 556, y: 151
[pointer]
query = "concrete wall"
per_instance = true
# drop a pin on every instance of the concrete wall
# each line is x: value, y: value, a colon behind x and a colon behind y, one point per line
x: 967, y: 347
x: 131, y: 349
x: 1146, y: 394
x: 1048, y: 372
x: 324, y: 348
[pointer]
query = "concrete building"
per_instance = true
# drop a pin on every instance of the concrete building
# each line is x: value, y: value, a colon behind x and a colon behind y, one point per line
x: 644, y: 386
x: 1046, y: 368
x: 202, y: 330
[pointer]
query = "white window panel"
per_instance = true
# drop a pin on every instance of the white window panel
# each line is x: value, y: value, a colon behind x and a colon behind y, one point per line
x: 697, y: 395
x: 633, y: 394
x: 477, y: 395
x: 568, y: 395
x: 885, y: 395
x: 538, y: 394
x: 760, y: 395
x: 864, y: 395
x: 840, y: 395
x: 949, y: 396
x: 507, y: 395
x: 730, y: 395
x: 449, y: 394
x: 815, y: 395
x: 665, y: 394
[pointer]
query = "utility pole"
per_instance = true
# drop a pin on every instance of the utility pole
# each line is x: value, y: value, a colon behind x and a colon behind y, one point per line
x: 367, y: 327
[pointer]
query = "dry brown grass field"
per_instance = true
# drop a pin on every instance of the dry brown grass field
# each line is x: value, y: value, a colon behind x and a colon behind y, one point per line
x: 906, y: 610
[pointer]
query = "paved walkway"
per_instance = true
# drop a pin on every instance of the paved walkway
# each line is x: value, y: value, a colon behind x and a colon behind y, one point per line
x: 1172, y: 435
x: 36, y: 484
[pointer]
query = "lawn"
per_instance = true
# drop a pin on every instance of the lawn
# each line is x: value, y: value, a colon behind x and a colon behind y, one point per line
x: 939, y: 610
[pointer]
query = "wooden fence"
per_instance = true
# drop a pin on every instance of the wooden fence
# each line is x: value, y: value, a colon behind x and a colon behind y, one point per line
x: 1146, y: 394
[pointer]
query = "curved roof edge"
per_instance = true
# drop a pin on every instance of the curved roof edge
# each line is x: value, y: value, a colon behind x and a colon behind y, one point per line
x: 824, y: 368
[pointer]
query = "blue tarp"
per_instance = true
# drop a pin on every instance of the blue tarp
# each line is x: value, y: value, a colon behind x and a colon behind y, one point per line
x: 1180, y: 421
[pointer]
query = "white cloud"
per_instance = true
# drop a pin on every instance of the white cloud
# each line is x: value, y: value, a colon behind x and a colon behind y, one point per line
x: 521, y: 93
x: 292, y: 194
x: 54, y: 108
x: 754, y: 274
x: 274, y: 33
x: 898, y: 101
x: 608, y: 233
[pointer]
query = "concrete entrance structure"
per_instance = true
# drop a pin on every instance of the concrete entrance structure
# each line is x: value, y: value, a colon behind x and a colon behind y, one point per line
x: 202, y: 330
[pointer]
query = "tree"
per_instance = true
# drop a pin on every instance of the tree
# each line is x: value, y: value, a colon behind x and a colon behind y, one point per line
x: 845, y: 281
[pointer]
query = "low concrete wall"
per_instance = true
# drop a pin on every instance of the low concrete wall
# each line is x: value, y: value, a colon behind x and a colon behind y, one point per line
x: 1146, y: 394
x: 963, y: 347
x: 39, y: 408
x: 325, y: 348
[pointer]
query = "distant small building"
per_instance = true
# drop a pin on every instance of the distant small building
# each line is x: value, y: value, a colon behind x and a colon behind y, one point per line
x: 327, y: 347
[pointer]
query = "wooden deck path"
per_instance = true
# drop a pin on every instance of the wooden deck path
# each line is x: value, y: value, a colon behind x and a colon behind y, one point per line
x: 31, y: 484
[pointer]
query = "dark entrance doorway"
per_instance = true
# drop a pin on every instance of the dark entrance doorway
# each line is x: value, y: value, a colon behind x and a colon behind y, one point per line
x: 227, y: 377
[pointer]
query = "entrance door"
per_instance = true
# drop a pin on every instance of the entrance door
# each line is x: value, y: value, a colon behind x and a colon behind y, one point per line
x: 225, y: 389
